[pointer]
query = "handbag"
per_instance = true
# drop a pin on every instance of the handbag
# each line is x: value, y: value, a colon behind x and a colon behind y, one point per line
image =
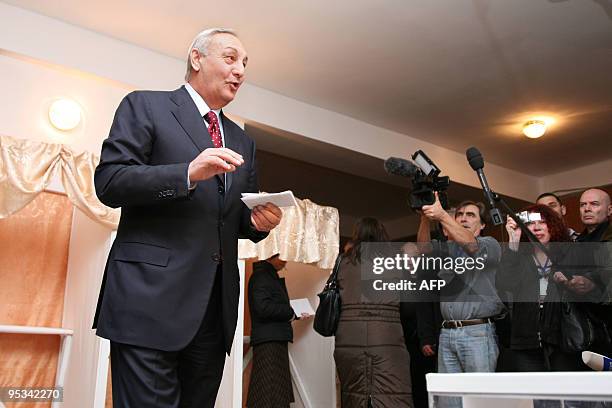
x: 328, y: 312
x: 581, y: 327
x: 577, y: 332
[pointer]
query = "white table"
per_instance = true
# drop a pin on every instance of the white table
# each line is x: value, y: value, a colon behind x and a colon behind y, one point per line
x: 479, y: 389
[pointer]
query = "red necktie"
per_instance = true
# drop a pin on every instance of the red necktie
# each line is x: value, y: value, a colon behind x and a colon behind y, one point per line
x: 213, y: 129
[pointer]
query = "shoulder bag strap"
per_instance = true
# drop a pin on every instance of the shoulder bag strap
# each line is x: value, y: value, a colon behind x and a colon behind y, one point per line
x: 333, y: 278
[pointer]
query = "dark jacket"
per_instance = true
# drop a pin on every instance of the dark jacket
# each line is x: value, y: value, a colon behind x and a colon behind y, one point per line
x: 518, y: 285
x: 601, y: 256
x: 271, y: 312
x: 603, y: 233
x: 598, y: 252
x: 429, y: 323
x: 427, y: 308
x: 171, y: 241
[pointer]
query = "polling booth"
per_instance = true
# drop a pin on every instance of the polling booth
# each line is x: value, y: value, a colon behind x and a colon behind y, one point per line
x: 308, y: 239
x: 55, y: 238
x: 52, y: 263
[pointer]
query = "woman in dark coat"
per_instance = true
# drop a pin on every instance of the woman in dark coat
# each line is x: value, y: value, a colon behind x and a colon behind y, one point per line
x: 371, y: 357
x: 271, y: 331
x: 534, y: 282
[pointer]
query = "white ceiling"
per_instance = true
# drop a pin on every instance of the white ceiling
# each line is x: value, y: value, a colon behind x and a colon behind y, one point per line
x: 453, y: 72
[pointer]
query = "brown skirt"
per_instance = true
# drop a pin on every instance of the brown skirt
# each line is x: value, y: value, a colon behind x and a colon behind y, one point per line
x: 270, y: 385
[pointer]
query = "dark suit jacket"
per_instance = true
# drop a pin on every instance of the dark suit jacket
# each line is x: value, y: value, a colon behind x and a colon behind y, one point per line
x: 170, y: 240
x: 271, y: 312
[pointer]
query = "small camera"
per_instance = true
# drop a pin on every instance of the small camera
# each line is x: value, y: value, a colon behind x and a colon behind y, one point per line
x: 528, y: 217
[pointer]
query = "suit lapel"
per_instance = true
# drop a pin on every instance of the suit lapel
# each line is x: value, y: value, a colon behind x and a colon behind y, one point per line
x: 187, y: 115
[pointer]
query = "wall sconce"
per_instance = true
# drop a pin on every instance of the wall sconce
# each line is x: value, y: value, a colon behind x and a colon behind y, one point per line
x: 65, y: 114
x: 534, y: 128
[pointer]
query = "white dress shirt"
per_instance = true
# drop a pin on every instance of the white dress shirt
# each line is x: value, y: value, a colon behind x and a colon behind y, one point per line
x: 204, y: 109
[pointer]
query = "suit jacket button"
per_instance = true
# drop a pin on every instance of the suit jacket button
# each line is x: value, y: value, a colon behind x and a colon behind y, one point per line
x: 221, y: 190
x: 216, y: 258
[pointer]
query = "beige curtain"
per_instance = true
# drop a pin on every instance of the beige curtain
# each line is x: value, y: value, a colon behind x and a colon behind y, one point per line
x: 27, y: 167
x: 308, y: 233
x: 34, y: 254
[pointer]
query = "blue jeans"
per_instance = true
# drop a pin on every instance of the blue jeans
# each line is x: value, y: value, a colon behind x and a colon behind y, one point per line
x: 469, y: 349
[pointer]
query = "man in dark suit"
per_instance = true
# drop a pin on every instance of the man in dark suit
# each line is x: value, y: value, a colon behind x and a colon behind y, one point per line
x: 177, y: 167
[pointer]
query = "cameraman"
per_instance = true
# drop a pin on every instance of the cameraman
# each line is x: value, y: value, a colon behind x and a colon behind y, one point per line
x: 469, y: 302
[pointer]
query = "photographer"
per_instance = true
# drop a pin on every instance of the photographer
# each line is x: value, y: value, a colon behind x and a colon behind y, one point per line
x: 469, y: 301
x: 528, y: 276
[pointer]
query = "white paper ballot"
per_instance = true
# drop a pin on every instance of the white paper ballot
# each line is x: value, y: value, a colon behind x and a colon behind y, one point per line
x: 300, y: 306
x: 284, y: 199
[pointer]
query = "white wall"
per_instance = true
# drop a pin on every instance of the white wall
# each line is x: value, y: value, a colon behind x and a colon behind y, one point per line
x: 28, y: 88
x: 596, y: 174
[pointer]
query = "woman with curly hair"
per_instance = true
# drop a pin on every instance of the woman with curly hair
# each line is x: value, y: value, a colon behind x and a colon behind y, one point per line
x: 532, y: 281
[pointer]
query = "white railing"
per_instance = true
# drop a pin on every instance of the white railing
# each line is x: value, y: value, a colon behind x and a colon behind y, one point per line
x: 64, y: 352
x: 477, y: 389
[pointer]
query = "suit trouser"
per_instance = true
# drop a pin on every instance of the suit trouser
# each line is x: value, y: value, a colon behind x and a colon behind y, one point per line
x: 143, y: 377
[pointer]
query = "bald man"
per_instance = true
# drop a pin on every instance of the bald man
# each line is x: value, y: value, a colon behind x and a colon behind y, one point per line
x: 595, y: 212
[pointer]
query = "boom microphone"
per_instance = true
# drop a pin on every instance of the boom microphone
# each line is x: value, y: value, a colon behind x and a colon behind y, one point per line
x: 400, y: 167
x: 596, y: 361
x: 477, y: 163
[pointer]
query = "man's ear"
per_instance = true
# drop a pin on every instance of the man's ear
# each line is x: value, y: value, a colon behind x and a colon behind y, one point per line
x: 563, y: 210
x: 194, y: 60
x: 482, y: 226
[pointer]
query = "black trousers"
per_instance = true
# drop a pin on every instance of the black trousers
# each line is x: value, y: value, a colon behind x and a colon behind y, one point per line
x: 190, y: 377
x: 419, y: 367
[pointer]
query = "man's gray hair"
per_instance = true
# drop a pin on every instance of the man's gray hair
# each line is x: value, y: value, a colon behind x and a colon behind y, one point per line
x: 201, y: 43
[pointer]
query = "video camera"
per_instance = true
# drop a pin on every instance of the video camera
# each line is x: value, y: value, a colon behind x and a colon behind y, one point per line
x: 426, y: 181
x: 425, y: 176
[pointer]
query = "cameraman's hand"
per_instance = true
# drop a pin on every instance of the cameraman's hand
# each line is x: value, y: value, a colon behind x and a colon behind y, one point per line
x: 434, y: 212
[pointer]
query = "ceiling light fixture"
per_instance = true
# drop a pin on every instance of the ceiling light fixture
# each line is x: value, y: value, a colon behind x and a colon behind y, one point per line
x: 534, y: 129
x: 65, y: 114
